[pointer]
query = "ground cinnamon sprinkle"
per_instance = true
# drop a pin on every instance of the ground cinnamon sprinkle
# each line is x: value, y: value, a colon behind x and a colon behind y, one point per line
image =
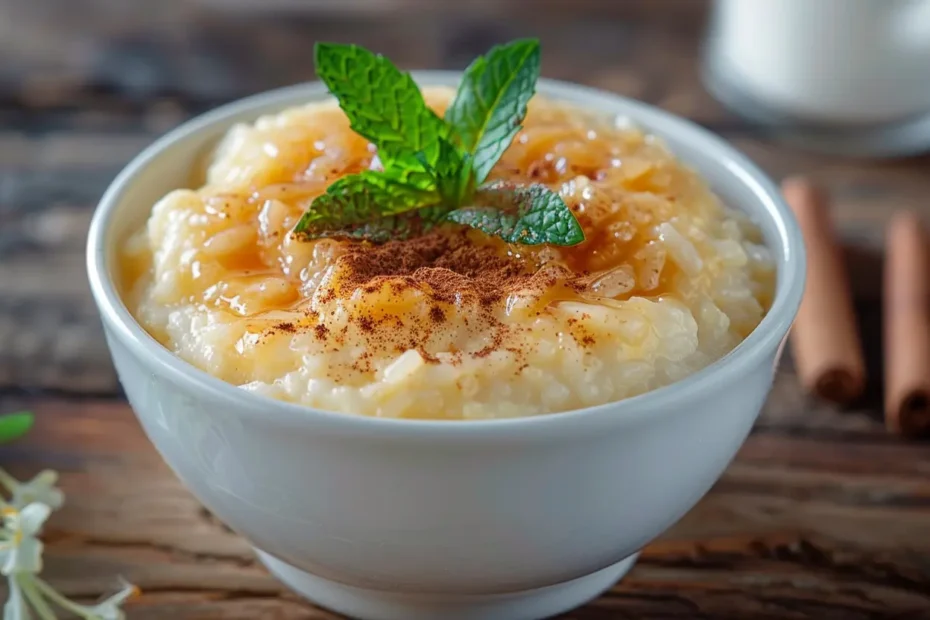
x: 450, y: 269
x: 437, y: 315
x: 443, y: 264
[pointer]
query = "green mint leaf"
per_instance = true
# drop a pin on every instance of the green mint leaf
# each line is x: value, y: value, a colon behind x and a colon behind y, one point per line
x: 453, y: 174
x: 15, y: 425
x: 383, y: 104
x: 432, y: 166
x: 412, y: 170
x: 529, y: 215
x: 491, y: 101
x: 382, y: 229
x: 362, y: 197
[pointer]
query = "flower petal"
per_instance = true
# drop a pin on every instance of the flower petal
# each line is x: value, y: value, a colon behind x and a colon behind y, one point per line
x: 45, y: 478
x: 105, y: 611
x: 109, y: 609
x: 40, y: 489
x: 32, y: 517
x: 29, y: 556
x: 8, y: 561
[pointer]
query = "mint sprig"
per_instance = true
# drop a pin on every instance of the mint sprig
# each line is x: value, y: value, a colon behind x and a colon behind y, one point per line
x: 433, y: 167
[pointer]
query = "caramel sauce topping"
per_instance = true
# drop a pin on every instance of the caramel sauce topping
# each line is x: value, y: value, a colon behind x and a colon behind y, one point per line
x: 422, y: 293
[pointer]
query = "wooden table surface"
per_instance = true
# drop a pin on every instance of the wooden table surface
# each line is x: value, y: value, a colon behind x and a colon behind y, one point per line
x: 822, y: 515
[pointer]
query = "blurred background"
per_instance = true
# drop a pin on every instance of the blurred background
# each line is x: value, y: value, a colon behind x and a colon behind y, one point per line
x: 86, y: 84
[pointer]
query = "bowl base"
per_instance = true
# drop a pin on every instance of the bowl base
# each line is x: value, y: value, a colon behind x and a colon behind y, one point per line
x: 364, y: 604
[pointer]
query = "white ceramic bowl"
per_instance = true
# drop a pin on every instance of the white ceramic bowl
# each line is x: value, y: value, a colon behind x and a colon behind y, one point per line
x: 407, y: 520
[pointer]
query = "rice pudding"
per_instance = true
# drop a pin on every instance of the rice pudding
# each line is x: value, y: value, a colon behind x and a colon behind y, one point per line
x: 451, y: 324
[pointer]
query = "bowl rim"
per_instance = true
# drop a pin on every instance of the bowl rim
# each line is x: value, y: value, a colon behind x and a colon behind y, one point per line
x: 767, y: 336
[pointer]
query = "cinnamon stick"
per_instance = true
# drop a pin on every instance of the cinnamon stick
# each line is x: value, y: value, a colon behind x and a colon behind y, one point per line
x: 907, y: 326
x: 824, y: 339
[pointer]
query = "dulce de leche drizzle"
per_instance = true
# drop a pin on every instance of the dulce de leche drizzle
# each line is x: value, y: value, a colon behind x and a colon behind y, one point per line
x: 424, y: 293
x: 450, y: 293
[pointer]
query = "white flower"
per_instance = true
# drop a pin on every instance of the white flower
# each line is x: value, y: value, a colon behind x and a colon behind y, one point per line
x: 110, y: 608
x: 21, y: 555
x: 40, y: 489
x: 21, y: 551
x: 16, y: 608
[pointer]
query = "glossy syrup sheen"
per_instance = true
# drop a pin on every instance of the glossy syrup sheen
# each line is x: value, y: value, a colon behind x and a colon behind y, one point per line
x: 667, y: 280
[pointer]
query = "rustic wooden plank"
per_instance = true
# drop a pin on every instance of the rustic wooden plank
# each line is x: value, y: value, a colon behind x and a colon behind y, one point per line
x: 795, y: 529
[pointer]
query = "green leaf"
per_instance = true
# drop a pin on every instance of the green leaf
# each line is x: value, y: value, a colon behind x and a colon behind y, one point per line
x: 432, y: 166
x: 453, y: 174
x: 529, y: 215
x: 15, y: 425
x: 361, y: 197
x: 491, y: 101
x: 388, y: 228
x: 383, y: 104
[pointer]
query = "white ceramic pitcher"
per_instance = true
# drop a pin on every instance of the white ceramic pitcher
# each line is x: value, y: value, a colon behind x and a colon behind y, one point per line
x: 830, y: 62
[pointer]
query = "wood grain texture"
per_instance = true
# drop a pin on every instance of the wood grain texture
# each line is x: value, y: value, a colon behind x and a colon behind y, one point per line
x: 800, y: 526
x: 821, y: 516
